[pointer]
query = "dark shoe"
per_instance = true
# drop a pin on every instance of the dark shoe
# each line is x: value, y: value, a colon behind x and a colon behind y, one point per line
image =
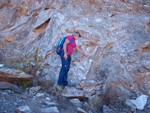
x: 66, y: 87
x: 58, y: 87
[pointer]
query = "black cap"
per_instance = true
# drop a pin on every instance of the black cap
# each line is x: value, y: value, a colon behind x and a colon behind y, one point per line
x: 76, y: 33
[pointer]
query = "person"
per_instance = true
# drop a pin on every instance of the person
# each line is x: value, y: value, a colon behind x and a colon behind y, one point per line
x: 66, y: 59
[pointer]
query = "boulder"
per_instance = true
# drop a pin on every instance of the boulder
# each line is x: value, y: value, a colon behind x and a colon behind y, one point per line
x: 88, y: 86
x: 48, y: 98
x: 72, y: 92
x: 7, y: 86
x: 94, y: 102
x: 15, y: 76
x: 76, y: 102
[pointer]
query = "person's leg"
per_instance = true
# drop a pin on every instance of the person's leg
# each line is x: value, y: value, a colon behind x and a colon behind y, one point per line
x: 62, y: 71
x: 68, y: 61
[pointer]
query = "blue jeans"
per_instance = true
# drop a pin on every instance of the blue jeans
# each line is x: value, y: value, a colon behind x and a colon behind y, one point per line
x: 64, y: 69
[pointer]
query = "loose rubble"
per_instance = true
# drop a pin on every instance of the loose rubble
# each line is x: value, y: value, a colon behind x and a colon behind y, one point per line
x: 29, y: 102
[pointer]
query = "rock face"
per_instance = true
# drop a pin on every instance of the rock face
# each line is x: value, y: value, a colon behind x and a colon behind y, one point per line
x: 115, y: 34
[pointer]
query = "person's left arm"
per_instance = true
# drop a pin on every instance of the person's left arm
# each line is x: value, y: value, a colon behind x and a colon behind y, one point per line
x: 80, y: 51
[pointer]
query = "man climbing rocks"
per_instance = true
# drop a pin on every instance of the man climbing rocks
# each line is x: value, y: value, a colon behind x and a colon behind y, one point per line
x: 66, y: 58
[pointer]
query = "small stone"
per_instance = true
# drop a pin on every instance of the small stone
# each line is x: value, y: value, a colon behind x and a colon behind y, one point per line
x: 48, y: 99
x: 49, y: 110
x: 1, y: 65
x: 50, y: 103
x: 76, y: 102
x: 79, y: 110
x: 40, y: 95
x: 35, y: 89
x: 23, y: 109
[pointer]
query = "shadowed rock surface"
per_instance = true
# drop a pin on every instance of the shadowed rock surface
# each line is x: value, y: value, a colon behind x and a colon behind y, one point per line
x: 115, y: 34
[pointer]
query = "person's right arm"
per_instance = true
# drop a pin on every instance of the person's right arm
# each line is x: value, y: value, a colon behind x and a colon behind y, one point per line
x: 65, y: 48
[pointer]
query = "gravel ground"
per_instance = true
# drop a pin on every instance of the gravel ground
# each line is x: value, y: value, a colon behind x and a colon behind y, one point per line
x: 11, y: 100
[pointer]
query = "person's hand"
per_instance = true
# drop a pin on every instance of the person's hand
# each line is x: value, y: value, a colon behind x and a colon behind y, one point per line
x: 65, y: 56
x: 86, y: 55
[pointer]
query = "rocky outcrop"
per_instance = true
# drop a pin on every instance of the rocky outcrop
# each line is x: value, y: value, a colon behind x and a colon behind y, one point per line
x: 93, y: 97
x: 115, y: 34
x: 16, y: 77
x: 83, y: 90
